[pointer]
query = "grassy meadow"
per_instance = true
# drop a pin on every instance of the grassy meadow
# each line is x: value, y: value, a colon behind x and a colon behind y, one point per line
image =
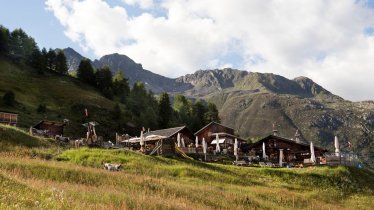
x: 36, y: 174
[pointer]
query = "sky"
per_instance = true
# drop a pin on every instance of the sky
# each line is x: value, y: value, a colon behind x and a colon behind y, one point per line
x: 329, y: 41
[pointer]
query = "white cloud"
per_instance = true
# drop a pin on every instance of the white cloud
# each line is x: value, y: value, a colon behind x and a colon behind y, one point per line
x: 322, y: 39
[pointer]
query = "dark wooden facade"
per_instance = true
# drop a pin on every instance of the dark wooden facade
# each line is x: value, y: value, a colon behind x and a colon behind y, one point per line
x: 53, y: 128
x: 208, y: 133
x: 8, y: 118
x: 292, y: 152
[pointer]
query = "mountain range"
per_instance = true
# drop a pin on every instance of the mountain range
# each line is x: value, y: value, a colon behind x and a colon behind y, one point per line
x: 252, y: 102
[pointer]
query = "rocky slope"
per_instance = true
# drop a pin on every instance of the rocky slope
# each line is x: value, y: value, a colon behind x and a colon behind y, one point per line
x: 73, y: 58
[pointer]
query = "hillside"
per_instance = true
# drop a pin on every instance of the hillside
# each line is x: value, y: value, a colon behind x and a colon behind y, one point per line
x: 36, y: 174
x: 64, y: 97
x: 76, y: 180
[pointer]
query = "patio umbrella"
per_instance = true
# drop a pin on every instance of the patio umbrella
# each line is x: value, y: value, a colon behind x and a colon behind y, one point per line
x: 337, y: 149
x: 263, y: 150
x: 179, y: 140
x: 197, y: 142
x: 281, y: 157
x: 204, y: 146
x: 236, y: 148
x: 182, y: 143
x: 218, y: 149
x: 312, y: 155
x: 141, y: 139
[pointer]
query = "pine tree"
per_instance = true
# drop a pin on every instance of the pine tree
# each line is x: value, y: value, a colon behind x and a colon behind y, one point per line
x: 212, y: 114
x: 4, y: 40
x: 116, y: 112
x: 21, y: 46
x: 9, y: 98
x: 51, y: 60
x: 165, y: 111
x: 61, y: 66
x: 184, y: 108
x: 85, y: 72
x: 198, y: 114
x: 104, y: 78
x: 120, y: 86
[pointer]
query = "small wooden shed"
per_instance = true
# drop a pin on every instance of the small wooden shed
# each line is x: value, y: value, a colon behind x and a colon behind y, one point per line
x: 50, y: 128
x: 8, y: 118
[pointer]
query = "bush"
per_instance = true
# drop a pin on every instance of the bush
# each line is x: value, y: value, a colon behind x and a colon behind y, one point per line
x: 9, y: 98
x: 42, y: 108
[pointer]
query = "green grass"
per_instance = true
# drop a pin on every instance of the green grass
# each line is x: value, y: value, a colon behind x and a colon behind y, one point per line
x: 75, y: 179
x: 64, y: 96
x: 150, y: 182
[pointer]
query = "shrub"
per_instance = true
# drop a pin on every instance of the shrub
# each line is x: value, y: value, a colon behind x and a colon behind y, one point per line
x: 42, y: 108
x: 9, y: 98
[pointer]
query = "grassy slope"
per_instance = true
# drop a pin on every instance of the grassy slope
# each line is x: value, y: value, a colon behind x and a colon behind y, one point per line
x: 64, y: 96
x: 75, y: 180
x: 160, y: 183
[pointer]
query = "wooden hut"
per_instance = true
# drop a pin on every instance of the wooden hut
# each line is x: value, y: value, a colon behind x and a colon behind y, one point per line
x: 48, y: 128
x: 8, y: 118
x: 162, y: 142
x: 293, y: 152
x: 225, y: 134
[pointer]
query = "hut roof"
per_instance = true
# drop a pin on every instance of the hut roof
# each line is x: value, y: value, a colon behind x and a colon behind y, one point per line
x: 165, y: 132
x: 285, y: 140
x: 161, y: 134
x: 227, y: 134
x: 211, y: 123
x: 1, y: 111
x: 47, y: 122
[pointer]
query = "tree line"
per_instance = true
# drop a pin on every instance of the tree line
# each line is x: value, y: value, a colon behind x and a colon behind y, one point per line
x: 22, y: 49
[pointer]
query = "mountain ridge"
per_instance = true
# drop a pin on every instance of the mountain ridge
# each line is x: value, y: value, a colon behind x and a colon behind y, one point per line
x: 251, y: 102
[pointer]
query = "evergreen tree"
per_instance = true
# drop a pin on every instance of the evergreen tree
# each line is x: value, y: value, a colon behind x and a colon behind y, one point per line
x: 9, y: 98
x: 21, y: 46
x: 198, y: 116
x: 165, y: 110
x: 37, y: 61
x: 137, y: 99
x: 42, y: 108
x: 116, y: 112
x: 61, y: 66
x: 183, y: 108
x: 120, y: 86
x: 212, y: 114
x: 104, y: 81
x: 85, y: 72
x: 4, y: 40
x: 104, y: 78
x: 51, y: 60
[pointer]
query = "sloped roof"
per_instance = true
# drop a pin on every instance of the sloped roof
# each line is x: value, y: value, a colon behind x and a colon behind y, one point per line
x: 286, y: 140
x: 211, y: 123
x: 8, y: 112
x: 166, y: 132
x: 47, y: 122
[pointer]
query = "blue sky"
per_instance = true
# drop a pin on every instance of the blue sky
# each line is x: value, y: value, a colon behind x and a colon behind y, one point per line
x: 326, y: 40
